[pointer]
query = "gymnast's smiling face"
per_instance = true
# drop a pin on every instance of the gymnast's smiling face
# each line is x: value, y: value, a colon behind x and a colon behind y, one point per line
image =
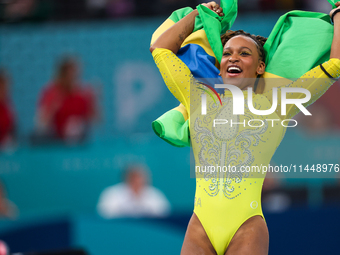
x: 241, y: 63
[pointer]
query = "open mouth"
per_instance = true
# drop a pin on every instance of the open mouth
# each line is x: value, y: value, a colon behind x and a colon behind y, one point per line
x: 234, y: 70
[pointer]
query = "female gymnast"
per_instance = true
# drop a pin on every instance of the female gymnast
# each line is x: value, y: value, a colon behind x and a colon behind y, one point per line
x: 228, y: 218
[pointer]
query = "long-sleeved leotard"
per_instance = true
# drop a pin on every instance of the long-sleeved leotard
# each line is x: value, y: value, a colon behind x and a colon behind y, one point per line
x: 224, y: 198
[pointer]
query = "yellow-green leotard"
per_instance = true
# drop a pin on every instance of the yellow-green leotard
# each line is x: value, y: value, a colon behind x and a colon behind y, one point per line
x: 224, y: 200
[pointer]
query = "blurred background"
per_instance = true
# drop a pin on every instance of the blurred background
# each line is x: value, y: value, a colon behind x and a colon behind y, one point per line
x: 81, y: 170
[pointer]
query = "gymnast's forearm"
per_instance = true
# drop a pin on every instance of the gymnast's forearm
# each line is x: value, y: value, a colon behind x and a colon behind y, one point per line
x: 173, y: 38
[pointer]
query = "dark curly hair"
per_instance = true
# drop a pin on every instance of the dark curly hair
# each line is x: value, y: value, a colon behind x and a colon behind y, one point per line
x: 260, y: 40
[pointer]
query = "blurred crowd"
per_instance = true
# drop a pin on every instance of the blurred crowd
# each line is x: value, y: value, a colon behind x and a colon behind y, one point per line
x: 66, y: 108
x: 54, y: 10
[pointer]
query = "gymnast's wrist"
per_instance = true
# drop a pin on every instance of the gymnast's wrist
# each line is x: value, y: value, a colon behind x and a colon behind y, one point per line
x: 335, y: 16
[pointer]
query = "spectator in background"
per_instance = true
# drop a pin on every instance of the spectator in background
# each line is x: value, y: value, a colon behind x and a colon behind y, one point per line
x: 66, y: 109
x: 7, y: 119
x: 135, y: 197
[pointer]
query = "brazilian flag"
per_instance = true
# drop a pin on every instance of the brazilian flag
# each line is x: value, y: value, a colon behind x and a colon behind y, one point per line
x: 298, y: 42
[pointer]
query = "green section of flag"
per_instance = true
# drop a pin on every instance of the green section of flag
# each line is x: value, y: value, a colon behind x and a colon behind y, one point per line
x: 299, y: 42
x: 172, y: 128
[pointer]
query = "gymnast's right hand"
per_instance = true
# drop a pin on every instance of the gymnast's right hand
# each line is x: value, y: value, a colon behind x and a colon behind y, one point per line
x: 214, y: 7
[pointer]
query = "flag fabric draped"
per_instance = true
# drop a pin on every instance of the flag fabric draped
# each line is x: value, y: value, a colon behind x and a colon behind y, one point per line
x: 298, y: 42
